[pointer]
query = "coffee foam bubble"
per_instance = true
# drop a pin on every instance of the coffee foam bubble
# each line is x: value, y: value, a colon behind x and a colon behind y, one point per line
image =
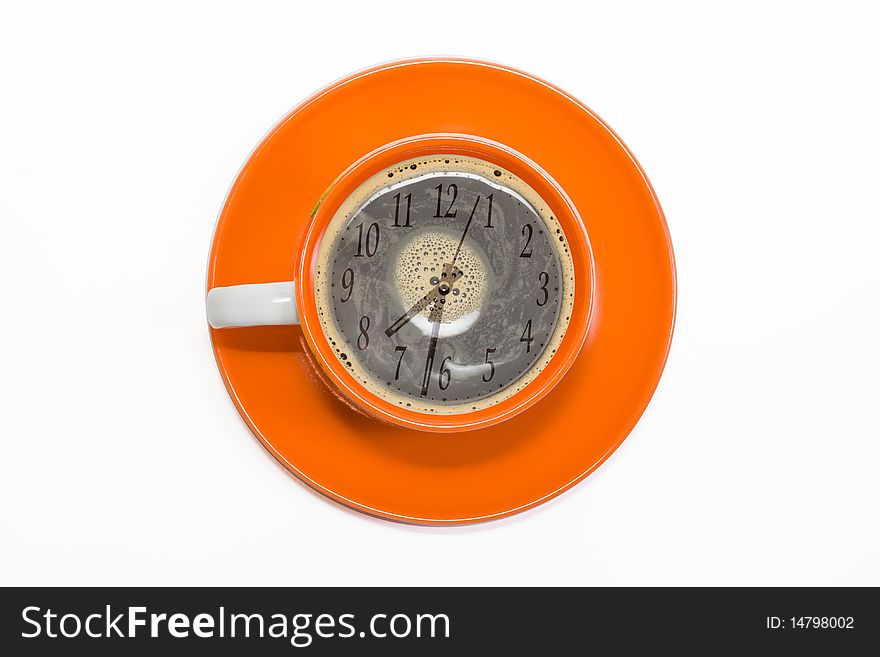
x: 422, y: 261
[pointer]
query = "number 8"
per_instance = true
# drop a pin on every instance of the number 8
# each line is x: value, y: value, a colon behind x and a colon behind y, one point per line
x: 364, y: 338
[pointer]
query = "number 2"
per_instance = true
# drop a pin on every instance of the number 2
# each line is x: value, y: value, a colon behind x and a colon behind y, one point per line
x: 527, y: 233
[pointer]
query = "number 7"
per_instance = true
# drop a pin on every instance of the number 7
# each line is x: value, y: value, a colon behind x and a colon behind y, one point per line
x: 402, y: 351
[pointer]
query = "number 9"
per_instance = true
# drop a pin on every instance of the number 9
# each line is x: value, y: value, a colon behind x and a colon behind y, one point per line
x: 347, y: 283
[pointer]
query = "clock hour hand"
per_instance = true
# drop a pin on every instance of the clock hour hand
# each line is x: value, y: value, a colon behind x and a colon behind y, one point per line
x: 450, y: 274
x: 418, y: 307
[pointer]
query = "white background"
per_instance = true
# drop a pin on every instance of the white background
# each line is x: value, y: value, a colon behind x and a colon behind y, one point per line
x: 122, y: 459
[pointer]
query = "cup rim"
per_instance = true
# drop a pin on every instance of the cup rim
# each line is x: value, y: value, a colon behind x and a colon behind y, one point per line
x: 385, y: 157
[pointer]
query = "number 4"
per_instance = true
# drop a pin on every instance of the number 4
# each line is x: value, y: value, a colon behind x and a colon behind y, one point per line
x: 527, y: 336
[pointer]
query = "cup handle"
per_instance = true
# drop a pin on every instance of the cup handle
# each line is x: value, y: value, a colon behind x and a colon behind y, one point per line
x: 260, y: 304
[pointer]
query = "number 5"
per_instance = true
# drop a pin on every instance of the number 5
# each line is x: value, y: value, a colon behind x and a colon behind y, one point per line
x: 490, y: 350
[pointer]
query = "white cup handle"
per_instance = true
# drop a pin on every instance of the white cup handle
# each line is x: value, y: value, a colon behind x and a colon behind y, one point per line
x: 260, y: 304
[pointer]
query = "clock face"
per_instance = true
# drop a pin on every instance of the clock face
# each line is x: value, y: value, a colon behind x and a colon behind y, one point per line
x: 444, y: 284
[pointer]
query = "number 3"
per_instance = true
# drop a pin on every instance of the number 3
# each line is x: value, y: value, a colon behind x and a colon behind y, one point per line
x: 544, y: 278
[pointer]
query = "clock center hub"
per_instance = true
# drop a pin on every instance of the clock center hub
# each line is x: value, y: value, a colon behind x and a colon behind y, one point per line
x: 425, y: 263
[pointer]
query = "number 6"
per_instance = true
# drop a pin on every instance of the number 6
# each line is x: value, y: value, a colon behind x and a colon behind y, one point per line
x: 444, y: 371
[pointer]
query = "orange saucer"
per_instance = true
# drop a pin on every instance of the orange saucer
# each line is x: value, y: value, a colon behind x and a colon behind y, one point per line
x: 409, y: 475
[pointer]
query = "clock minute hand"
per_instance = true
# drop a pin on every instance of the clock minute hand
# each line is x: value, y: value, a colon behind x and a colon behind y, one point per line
x: 466, y: 227
x: 436, y: 313
x: 449, y: 272
x: 435, y: 296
